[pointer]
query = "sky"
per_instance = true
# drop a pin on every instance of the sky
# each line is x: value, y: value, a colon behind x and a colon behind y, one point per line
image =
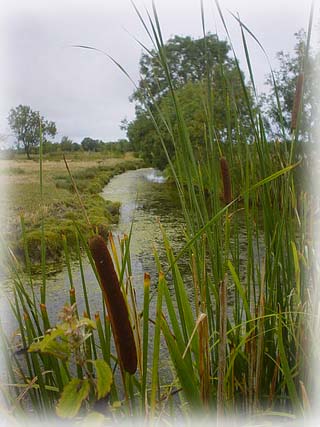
x: 82, y: 91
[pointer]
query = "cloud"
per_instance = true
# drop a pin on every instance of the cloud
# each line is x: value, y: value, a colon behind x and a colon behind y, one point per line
x: 83, y: 91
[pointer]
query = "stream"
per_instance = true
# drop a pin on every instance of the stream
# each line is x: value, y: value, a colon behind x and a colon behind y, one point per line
x: 145, y: 199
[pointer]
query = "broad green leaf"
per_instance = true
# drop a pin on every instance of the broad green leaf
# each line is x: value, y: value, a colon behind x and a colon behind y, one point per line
x: 51, y: 345
x: 74, y: 393
x: 104, y: 377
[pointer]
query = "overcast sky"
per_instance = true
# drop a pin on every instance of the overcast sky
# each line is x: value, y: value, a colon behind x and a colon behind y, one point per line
x: 82, y: 91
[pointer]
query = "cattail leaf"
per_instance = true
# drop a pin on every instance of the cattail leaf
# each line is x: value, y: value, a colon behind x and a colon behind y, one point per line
x: 104, y: 377
x: 74, y: 393
x: 288, y: 377
x: 296, y: 268
x: 240, y: 289
x: 187, y: 380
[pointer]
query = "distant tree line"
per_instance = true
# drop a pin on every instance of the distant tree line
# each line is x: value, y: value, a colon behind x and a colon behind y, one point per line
x: 29, y: 127
x: 87, y: 144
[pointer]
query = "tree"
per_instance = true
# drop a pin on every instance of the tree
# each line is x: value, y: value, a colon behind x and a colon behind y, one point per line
x: 25, y: 125
x: 290, y: 66
x: 66, y: 144
x: 201, y: 72
x: 188, y: 60
x: 89, y: 144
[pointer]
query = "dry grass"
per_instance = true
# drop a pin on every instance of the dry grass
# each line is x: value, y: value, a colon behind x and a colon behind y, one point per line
x: 20, y: 190
x: 20, y: 187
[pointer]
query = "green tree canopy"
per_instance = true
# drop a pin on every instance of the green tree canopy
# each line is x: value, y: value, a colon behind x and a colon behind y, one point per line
x: 188, y: 60
x: 206, y: 83
x: 66, y: 144
x: 90, y: 144
x: 25, y: 124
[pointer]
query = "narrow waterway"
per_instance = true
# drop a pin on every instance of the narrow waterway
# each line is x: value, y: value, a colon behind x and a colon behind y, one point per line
x: 145, y: 199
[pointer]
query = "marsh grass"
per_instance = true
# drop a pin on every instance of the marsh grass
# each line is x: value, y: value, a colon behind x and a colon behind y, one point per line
x: 59, y: 206
x: 240, y: 346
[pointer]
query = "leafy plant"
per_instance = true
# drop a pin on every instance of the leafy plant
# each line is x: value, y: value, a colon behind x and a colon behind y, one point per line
x: 67, y: 341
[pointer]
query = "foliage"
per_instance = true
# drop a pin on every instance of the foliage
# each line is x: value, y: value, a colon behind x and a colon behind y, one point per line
x: 96, y: 145
x: 188, y: 60
x: 192, y: 64
x: 25, y: 125
x: 236, y: 339
x: 67, y: 144
x: 290, y: 66
x: 65, y: 341
x: 91, y: 172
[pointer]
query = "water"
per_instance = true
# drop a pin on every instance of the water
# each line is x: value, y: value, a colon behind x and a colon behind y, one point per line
x: 146, y: 198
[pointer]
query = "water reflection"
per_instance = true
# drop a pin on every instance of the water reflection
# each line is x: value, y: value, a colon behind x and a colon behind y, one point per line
x: 146, y: 198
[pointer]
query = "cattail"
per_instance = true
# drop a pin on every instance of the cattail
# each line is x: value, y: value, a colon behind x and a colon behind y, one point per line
x: 116, y: 305
x: 146, y: 280
x: 225, y: 174
x: 297, y: 102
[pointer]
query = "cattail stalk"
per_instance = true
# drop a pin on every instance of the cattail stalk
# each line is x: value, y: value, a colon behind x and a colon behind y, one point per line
x: 116, y: 305
x: 226, y: 180
x: 146, y: 304
x: 259, y: 361
x: 297, y: 101
x: 222, y: 348
x: 204, y: 360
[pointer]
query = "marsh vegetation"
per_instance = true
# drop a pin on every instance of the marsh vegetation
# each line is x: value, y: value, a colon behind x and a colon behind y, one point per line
x: 236, y: 184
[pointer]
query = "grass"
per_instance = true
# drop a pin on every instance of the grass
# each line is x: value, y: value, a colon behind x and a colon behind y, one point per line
x: 244, y: 346
x: 60, y: 206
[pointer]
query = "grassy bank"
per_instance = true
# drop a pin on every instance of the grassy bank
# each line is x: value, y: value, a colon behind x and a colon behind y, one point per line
x: 61, y: 205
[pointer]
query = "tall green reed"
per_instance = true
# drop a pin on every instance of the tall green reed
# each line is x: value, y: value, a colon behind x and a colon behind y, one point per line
x: 263, y: 353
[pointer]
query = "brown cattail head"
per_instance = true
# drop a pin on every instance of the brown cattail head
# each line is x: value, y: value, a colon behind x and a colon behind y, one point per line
x: 146, y: 280
x: 116, y: 305
x: 297, y: 101
x: 225, y: 174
